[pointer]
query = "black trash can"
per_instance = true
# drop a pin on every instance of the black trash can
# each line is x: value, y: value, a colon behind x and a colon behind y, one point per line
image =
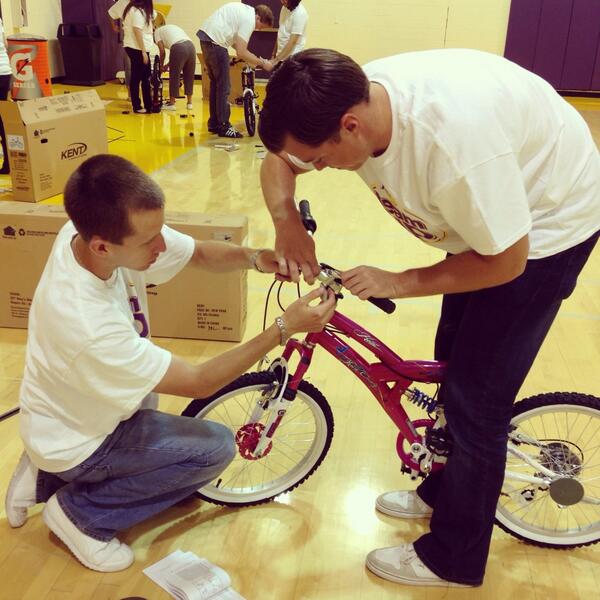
x: 81, y: 47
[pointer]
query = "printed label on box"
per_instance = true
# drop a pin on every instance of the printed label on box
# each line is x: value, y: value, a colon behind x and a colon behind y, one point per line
x: 15, y: 142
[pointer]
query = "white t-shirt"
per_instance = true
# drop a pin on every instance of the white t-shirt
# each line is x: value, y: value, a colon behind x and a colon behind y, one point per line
x: 483, y: 152
x: 117, y: 9
x: 4, y: 62
x: 292, y: 23
x: 170, y: 35
x: 137, y: 18
x: 228, y: 21
x: 87, y: 368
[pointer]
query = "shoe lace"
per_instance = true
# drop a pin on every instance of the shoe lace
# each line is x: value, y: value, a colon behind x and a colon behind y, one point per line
x: 410, y: 556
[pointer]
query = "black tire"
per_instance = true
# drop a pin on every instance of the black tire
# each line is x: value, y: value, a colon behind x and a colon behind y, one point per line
x: 250, y: 113
x: 567, y: 425
x: 296, y: 451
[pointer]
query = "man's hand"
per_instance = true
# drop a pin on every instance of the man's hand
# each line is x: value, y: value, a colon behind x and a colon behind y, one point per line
x: 266, y: 65
x: 295, y: 253
x: 365, y: 282
x: 266, y: 261
x: 145, y: 57
x: 302, y: 317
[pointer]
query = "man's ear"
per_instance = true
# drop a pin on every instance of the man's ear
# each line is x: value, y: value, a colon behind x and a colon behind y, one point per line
x: 350, y: 122
x: 99, y: 247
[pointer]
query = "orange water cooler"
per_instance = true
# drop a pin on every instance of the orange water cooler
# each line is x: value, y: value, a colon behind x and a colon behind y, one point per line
x: 28, y: 55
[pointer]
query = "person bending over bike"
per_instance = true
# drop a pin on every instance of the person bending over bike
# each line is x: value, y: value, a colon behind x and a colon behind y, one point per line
x: 484, y: 160
x: 230, y: 25
x: 96, y: 450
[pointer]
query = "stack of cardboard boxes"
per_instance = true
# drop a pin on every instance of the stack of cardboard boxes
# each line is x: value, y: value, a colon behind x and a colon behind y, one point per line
x: 195, y: 304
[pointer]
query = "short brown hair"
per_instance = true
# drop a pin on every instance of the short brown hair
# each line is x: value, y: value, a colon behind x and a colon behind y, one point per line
x: 307, y: 95
x: 265, y: 14
x: 102, y: 192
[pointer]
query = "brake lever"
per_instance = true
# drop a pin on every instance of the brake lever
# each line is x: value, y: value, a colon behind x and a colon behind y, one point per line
x: 330, y: 279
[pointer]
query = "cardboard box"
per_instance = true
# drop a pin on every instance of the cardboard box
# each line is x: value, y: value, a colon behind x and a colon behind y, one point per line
x: 27, y: 232
x: 195, y: 304
x: 48, y: 138
x: 235, y: 76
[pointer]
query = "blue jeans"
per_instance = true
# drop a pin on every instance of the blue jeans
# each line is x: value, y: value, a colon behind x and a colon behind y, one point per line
x: 490, y: 339
x: 150, y: 462
x: 216, y: 59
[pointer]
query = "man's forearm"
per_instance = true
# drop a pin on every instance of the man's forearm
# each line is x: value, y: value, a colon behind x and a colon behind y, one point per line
x: 248, y: 57
x: 287, y: 49
x: 464, y: 272
x: 221, y: 257
x: 278, y: 183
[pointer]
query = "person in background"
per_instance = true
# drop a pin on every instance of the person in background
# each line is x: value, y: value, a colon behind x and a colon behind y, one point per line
x: 483, y: 160
x: 182, y: 60
x: 138, y: 42
x: 291, y: 35
x: 97, y: 451
x: 230, y: 25
x: 5, y: 74
x: 115, y: 15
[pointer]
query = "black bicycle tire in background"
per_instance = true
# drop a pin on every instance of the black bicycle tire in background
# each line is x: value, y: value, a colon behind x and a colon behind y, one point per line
x: 250, y: 114
x: 567, y: 457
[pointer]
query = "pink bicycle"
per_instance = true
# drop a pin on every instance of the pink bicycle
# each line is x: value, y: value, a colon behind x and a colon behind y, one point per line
x: 283, y: 427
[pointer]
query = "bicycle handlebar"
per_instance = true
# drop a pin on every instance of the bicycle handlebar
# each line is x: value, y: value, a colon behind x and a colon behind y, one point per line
x: 307, y: 219
x: 331, y: 277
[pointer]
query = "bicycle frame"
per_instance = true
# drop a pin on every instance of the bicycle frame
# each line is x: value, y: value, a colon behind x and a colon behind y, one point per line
x: 388, y: 379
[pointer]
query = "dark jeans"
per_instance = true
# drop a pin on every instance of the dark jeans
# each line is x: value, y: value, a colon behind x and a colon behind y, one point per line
x: 4, y: 88
x: 490, y: 339
x: 140, y: 74
x: 150, y: 462
x: 216, y: 59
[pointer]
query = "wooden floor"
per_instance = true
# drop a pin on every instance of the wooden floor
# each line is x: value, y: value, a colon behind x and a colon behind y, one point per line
x: 311, y: 544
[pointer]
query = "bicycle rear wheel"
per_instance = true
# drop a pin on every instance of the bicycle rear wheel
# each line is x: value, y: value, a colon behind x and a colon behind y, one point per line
x: 298, y: 447
x: 561, y: 431
x: 250, y: 112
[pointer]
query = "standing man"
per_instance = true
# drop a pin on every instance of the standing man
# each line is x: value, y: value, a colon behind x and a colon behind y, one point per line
x: 291, y: 35
x: 230, y: 25
x: 96, y: 451
x: 484, y: 160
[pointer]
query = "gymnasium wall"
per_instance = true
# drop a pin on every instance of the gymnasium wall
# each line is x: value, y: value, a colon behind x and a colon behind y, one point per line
x: 373, y: 28
x: 364, y: 30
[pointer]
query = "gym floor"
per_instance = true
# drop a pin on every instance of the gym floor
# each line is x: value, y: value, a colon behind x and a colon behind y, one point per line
x: 312, y: 542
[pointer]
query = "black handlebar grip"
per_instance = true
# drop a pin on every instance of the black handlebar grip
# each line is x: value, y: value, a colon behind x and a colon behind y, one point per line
x: 307, y: 219
x: 385, y: 304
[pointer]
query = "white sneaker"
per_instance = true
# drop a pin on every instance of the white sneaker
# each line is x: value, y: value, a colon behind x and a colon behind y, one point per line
x: 169, y: 107
x: 189, y: 106
x: 21, y: 491
x: 403, y: 504
x: 401, y: 564
x: 94, y: 554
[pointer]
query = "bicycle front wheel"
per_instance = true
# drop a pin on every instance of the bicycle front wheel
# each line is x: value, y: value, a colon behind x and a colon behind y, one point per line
x: 299, y: 445
x: 250, y: 113
x: 559, y: 432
